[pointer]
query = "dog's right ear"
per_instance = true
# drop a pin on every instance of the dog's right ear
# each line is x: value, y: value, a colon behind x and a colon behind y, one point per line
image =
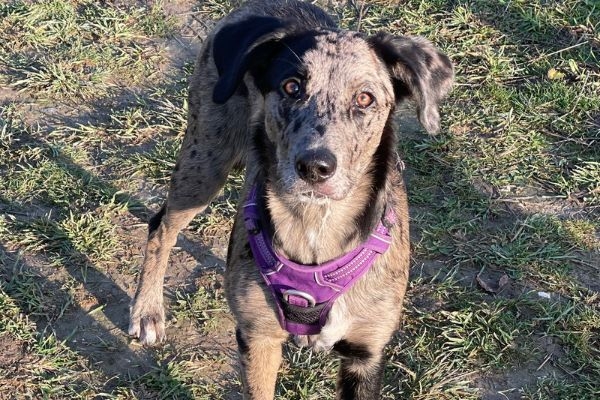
x: 417, y: 69
x: 240, y: 46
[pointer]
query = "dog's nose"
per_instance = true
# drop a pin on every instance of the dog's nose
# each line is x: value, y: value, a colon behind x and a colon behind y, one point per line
x: 316, y: 166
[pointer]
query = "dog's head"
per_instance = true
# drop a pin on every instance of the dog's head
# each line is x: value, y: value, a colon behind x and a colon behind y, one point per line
x: 326, y: 97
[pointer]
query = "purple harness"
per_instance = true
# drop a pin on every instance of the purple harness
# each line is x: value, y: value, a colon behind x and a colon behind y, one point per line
x: 304, y: 294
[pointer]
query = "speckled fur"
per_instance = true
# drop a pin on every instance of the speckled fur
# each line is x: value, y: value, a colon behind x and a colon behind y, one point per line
x: 238, y: 115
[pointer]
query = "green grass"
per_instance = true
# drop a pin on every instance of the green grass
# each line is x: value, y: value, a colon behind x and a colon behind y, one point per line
x: 36, y: 366
x: 93, y: 111
x: 94, y: 47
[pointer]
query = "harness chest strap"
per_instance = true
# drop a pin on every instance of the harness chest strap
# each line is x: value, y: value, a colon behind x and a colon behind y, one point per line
x: 304, y: 294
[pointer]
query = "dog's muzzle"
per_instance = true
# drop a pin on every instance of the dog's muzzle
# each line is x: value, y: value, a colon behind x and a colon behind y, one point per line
x: 315, y: 166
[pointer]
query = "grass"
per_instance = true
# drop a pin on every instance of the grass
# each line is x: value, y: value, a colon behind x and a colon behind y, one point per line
x: 95, y: 47
x: 505, y: 205
x: 36, y: 365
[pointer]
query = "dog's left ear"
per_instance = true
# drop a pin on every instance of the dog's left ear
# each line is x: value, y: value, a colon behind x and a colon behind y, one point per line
x: 240, y: 47
x: 418, y: 70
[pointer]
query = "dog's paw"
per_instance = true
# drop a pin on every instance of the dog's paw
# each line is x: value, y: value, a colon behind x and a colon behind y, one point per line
x: 147, y: 322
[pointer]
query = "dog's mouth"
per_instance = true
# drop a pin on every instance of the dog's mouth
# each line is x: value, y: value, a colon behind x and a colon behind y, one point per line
x: 320, y: 192
x: 323, y: 190
x: 295, y: 187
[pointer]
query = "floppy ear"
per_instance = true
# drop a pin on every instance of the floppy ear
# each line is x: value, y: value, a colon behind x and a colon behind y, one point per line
x: 238, y: 47
x: 418, y: 70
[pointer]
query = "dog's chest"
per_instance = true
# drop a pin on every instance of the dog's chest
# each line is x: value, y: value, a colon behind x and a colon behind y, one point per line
x: 334, y: 330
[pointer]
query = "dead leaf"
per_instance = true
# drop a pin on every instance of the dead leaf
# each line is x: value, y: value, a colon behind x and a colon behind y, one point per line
x: 554, y: 74
x: 503, y: 281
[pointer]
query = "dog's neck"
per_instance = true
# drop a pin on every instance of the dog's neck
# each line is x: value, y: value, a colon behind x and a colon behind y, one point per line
x: 314, y: 232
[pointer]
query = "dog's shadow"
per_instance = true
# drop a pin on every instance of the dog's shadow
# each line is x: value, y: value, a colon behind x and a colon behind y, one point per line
x: 84, y: 305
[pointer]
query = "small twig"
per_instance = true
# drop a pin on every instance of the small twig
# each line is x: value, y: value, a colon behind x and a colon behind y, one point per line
x: 360, y: 12
x: 576, y: 102
x: 581, y: 140
x: 524, y: 198
x: 581, y: 262
x: 548, y: 357
x: 558, y: 51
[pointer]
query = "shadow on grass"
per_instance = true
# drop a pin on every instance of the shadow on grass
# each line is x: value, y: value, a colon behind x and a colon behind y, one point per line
x: 81, y: 330
x: 97, y: 332
x: 106, y: 348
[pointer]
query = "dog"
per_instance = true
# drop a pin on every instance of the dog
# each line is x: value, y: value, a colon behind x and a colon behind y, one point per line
x: 320, y: 245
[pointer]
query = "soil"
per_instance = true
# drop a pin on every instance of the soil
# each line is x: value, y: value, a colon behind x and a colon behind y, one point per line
x: 96, y: 318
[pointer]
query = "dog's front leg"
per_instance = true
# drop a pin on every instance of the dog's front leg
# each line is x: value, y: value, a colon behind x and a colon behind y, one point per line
x: 260, y: 358
x: 147, y: 314
x: 201, y: 171
x: 361, y: 372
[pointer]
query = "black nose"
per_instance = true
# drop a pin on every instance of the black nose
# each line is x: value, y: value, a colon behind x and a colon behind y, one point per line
x: 315, y: 166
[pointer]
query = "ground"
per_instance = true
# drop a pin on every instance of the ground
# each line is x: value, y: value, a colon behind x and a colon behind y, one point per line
x: 504, y: 296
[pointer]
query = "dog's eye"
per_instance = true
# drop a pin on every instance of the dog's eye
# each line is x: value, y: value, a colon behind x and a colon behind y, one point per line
x: 291, y: 87
x: 364, y: 99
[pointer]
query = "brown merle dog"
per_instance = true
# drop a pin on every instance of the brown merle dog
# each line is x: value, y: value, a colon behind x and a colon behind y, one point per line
x: 308, y: 109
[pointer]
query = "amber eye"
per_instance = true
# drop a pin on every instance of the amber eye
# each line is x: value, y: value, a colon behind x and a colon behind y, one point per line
x: 291, y: 87
x: 364, y: 99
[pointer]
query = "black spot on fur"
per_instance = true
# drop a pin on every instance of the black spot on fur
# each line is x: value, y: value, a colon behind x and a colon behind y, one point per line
x: 205, y: 53
x: 320, y: 130
x: 230, y: 243
x: 193, y: 154
x: 363, y: 386
x: 297, y: 124
x: 194, y: 116
x: 242, y: 90
x: 330, y: 39
x: 154, y: 222
x: 242, y: 345
x: 249, y: 44
x: 356, y: 351
x: 439, y: 76
x: 195, y: 140
x: 264, y: 149
x: 401, y: 91
x: 231, y: 51
x: 285, y: 110
x: 177, y: 167
x: 382, y: 159
x: 350, y: 238
x: 285, y: 62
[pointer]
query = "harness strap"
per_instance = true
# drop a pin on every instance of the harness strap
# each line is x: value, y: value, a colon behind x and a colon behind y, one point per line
x: 304, y: 294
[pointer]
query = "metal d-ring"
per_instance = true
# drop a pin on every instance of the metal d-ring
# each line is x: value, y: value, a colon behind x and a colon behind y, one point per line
x: 311, y: 300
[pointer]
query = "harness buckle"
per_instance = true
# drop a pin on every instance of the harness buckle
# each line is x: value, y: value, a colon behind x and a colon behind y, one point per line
x: 291, y: 292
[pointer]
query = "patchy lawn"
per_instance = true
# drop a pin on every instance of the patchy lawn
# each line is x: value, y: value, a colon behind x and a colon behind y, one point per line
x: 504, y: 299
